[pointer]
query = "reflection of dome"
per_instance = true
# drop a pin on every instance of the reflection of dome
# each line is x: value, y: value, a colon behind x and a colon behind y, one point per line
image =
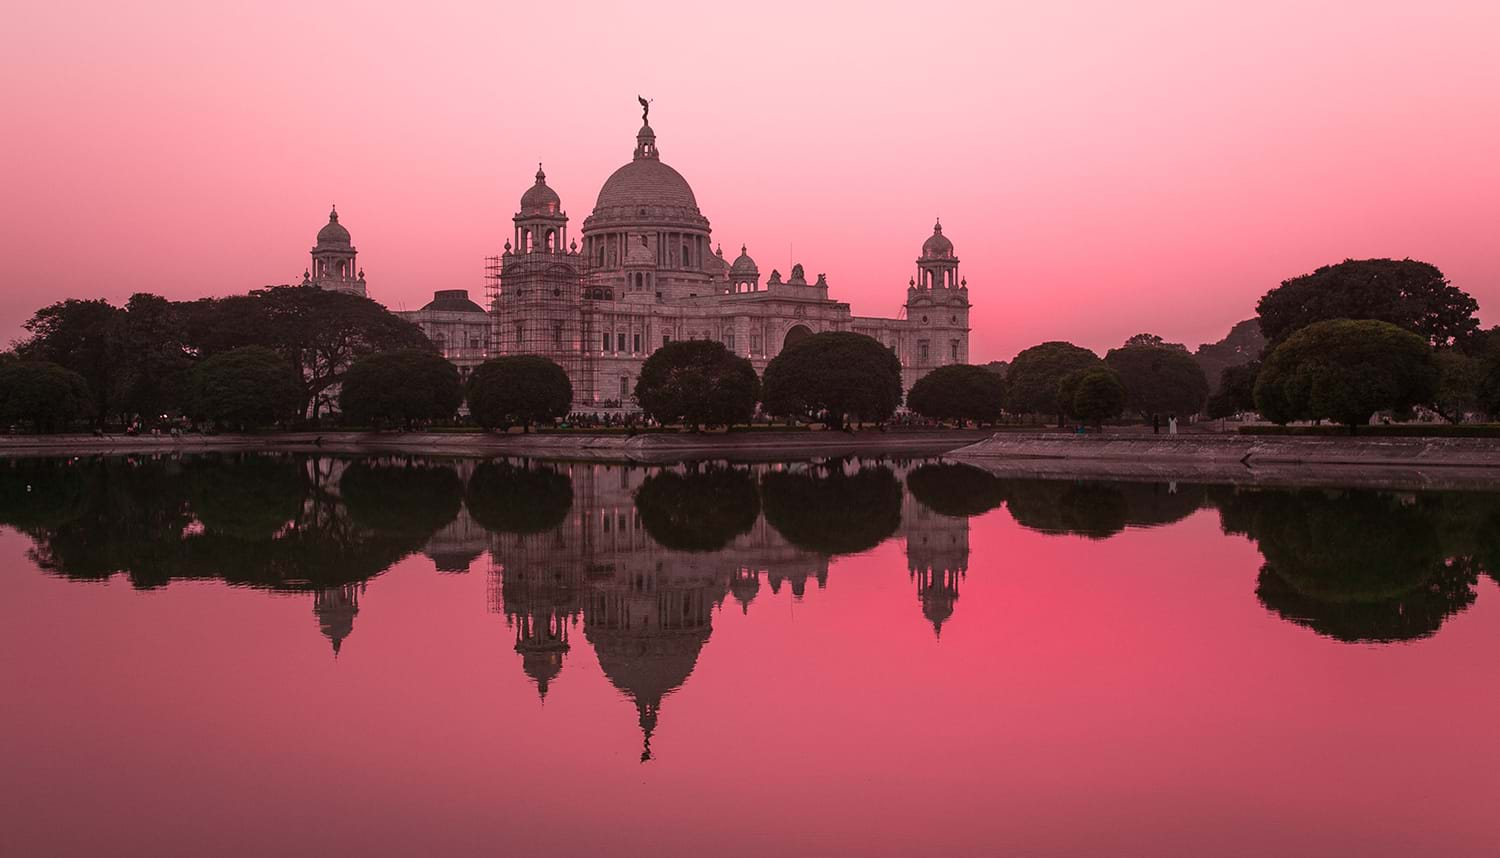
x: 937, y: 246
x: 540, y: 199
x: 333, y: 232
x: 335, y: 608
x: 647, y: 666
x: 542, y: 665
x: 744, y: 585
x: 743, y: 267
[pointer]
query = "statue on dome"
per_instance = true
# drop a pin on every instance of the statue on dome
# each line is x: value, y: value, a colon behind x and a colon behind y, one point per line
x: 645, y: 109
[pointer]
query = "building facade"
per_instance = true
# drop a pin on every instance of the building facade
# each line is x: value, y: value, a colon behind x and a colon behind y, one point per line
x: 644, y: 271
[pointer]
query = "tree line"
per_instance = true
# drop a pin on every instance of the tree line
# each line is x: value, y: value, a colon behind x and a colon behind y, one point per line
x: 1339, y: 344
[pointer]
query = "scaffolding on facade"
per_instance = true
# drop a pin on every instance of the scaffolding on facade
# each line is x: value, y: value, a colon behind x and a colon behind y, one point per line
x: 543, y: 303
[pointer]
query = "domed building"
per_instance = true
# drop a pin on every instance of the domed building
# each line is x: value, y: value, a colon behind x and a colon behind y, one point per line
x: 333, y: 255
x: 647, y: 272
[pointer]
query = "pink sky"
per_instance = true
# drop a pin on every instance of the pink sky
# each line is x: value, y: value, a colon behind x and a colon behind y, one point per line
x: 1103, y: 169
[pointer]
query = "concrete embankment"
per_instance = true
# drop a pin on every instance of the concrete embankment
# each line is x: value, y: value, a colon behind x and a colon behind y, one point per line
x: 1458, y: 463
x: 645, y: 448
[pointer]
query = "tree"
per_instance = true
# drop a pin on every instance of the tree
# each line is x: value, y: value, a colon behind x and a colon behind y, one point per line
x: 245, y: 387
x: 48, y: 395
x: 1032, y: 382
x: 522, y: 389
x: 1408, y: 294
x: 1236, y: 391
x: 1243, y: 344
x: 153, y: 359
x: 959, y: 392
x: 1154, y: 341
x: 836, y: 373
x: 401, y: 387
x: 1094, y: 394
x: 78, y: 335
x: 1459, y: 380
x: 1345, y: 371
x: 1159, y: 379
x: 697, y: 383
x: 320, y: 332
x: 1489, y: 392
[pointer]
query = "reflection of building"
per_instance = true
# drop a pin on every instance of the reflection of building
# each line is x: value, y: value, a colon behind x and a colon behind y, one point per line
x: 937, y: 556
x: 335, y: 608
x: 647, y: 610
x: 458, y: 544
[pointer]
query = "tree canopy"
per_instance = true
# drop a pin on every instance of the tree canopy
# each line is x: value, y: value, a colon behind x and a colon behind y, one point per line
x: 697, y: 383
x: 1033, y: 378
x: 1243, y: 344
x: 80, y: 336
x: 1236, y: 391
x: 401, y: 387
x: 1094, y: 394
x: 835, y: 373
x: 47, y: 395
x: 1159, y: 379
x: 518, y: 390
x: 244, y: 387
x: 959, y: 392
x: 1345, y: 371
x: 1411, y: 295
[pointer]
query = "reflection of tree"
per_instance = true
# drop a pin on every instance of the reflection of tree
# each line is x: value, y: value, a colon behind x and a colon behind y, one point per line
x: 1355, y: 566
x: 1154, y: 504
x: 959, y: 491
x: 245, y: 497
x: 1094, y: 510
x: 510, y: 498
x: 832, y: 512
x: 408, y: 498
x: 39, y: 493
x: 700, y: 510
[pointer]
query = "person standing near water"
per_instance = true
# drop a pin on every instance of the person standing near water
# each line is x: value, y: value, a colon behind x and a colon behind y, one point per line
x: 1172, y: 425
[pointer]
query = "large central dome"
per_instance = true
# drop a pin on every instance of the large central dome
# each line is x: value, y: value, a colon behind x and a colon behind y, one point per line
x: 646, y: 182
x: 646, y: 192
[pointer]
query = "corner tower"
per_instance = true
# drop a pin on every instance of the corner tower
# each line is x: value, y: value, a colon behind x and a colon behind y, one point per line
x: 333, y: 265
x: 937, y: 310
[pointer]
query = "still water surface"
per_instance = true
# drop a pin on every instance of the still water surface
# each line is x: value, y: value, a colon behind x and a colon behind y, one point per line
x: 277, y: 654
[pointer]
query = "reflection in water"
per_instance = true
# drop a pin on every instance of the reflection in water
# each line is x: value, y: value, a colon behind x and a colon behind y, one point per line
x: 640, y: 557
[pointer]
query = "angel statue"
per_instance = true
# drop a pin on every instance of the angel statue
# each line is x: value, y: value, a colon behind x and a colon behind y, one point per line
x: 645, y: 109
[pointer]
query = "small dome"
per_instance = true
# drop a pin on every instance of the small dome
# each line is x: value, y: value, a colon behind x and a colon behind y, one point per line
x: 452, y: 301
x: 333, y: 232
x: 540, y: 199
x: 639, y: 252
x: 743, y: 266
x: 937, y: 246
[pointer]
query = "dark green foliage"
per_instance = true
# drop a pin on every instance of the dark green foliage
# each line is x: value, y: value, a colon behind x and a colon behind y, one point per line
x: 246, y: 387
x: 1092, y: 510
x: 1034, y: 375
x: 697, y: 383
x: 1488, y: 395
x: 836, y: 373
x: 959, y: 392
x: 153, y: 358
x: 40, y: 494
x: 828, y: 511
x: 958, y: 491
x: 400, y: 387
x: 1358, y: 566
x: 1153, y: 341
x: 1093, y: 395
x: 80, y: 336
x: 44, y: 394
x: 1159, y: 379
x: 1345, y: 371
x: 1408, y: 294
x: 1236, y: 391
x: 1243, y: 344
x: 511, y: 498
x: 411, y: 499
x: 519, y: 390
x: 1459, y: 380
x: 699, y: 510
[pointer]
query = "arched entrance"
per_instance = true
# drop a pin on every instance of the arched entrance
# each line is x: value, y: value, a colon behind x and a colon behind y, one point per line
x: 795, y: 335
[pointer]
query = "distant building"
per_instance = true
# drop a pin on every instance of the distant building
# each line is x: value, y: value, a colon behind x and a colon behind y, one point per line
x: 333, y: 265
x: 459, y: 327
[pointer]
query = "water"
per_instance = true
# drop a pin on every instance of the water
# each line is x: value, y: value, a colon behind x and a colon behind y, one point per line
x: 253, y: 655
